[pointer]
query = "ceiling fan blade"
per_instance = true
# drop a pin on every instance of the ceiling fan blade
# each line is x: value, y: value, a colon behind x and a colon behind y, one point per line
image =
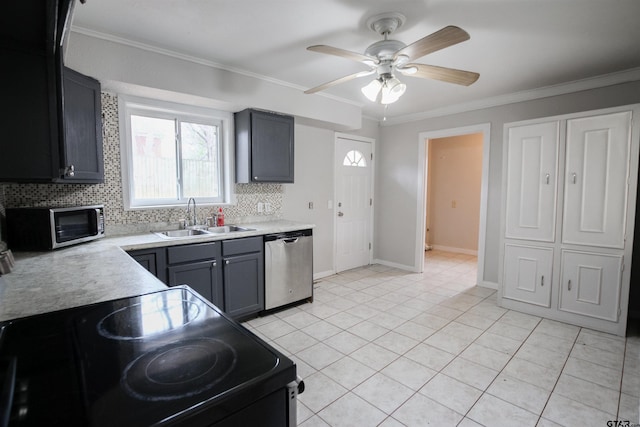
x: 447, y: 36
x: 449, y: 75
x: 330, y: 50
x: 338, y: 81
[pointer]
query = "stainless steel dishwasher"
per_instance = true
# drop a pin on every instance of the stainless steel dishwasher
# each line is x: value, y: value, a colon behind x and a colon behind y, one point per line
x: 288, y: 268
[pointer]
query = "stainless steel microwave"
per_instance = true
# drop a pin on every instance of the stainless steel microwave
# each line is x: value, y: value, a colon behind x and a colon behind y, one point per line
x: 52, y: 228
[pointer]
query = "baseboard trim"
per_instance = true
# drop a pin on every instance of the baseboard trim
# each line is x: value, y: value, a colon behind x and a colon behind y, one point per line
x: 455, y: 250
x: 396, y: 265
x: 490, y: 285
x: 323, y: 274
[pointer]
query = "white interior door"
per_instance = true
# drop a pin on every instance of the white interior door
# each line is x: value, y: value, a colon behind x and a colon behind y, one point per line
x: 353, y: 205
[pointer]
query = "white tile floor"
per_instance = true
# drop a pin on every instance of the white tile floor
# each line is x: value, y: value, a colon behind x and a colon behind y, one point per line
x: 383, y: 347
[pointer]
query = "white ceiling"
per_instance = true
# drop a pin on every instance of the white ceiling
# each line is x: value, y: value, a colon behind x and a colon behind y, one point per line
x: 515, y: 45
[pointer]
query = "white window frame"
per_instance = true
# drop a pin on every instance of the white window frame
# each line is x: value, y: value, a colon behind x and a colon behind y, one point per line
x: 128, y: 105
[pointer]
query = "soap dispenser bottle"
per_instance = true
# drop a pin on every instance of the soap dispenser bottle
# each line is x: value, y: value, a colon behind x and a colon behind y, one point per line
x: 220, y: 217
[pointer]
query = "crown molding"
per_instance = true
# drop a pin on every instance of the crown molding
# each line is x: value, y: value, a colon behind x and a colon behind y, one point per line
x: 604, y: 80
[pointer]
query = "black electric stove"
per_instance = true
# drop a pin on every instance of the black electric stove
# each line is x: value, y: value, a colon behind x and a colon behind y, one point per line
x: 167, y: 358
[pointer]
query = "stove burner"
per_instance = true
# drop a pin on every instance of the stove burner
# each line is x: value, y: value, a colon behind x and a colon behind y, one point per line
x: 179, y: 370
x: 142, y: 320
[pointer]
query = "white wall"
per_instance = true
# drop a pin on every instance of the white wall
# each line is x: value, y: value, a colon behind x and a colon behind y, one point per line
x: 397, y: 167
x: 314, y: 182
x: 453, y: 205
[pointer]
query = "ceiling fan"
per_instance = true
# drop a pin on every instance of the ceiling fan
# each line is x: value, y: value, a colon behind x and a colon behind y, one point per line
x: 386, y: 56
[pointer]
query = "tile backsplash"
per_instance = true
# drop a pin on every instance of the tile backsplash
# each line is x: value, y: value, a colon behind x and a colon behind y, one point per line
x: 118, y: 220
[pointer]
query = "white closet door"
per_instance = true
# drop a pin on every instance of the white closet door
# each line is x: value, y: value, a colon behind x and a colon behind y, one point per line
x: 590, y: 284
x: 527, y: 274
x: 597, y: 165
x: 532, y: 166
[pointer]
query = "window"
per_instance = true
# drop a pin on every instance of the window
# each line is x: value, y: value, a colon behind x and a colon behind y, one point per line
x: 354, y: 158
x: 172, y: 152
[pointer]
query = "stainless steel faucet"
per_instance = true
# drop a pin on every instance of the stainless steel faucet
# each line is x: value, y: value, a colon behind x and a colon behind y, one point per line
x: 192, y: 220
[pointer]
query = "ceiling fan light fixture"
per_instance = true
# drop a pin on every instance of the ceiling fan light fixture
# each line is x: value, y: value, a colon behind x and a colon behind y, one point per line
x: 372, y: 89
x: 392, y: 90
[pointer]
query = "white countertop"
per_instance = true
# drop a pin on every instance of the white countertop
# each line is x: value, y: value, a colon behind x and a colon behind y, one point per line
x: 97, y: 271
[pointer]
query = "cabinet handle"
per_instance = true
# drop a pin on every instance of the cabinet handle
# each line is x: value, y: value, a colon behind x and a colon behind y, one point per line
x: 547, y: 178
x: 569, y: 284
x: 214, y: 264
x: 227, y: 262
x: 542, y: 281
x: 71, y: 170
x: 573, y: 178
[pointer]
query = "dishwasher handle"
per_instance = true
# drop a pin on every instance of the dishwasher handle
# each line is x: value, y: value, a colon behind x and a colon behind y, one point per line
x: 287, y: 235
x: 288, y: 241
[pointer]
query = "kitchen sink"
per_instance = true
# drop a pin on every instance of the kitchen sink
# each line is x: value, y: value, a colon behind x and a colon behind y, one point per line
x: 181, y: 233
x: 191, y: 232
x: 227, y: 229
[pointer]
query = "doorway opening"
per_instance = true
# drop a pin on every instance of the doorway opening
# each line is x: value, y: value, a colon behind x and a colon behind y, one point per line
x: 454, y: 174
x: 454, y: 213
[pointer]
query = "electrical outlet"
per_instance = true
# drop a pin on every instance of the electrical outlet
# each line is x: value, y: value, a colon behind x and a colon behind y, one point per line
x: 310, y: 205
x: 267, y: 207
x: 260, y: 207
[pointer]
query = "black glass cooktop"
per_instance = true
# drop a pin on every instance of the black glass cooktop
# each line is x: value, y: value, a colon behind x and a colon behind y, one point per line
x: 136, y: 361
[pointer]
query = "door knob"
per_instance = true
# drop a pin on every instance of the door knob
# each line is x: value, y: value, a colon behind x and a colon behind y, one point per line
x: 340, y: 214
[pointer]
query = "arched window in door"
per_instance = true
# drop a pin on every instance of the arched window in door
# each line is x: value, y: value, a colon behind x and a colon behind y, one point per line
x: 355, y: 158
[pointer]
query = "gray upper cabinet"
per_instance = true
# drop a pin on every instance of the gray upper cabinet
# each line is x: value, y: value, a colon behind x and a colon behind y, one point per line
x: 50, y: 115
x: 264, y: 147
x: 82, y: 138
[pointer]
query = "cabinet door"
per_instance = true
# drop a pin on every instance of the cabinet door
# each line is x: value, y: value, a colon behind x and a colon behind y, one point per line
x: 532, y: 167
x: 28, y: 114
x: 244, y: 284
x: 154, y: 260
x: 82, y: 137
x: 271, y: 147
x: 202, y: 276
x: 597, y: 165
x: 591, y: 284
x: 527, y: 274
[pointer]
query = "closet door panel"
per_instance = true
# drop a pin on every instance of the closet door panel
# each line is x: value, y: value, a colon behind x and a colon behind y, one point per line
x: 590, y: 284
x: 597, y: 168
x: 532, y: 166
x: 527, y: 274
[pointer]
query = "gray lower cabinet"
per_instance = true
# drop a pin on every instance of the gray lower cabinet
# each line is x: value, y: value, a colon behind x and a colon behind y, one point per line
x: 201, y: 276
x: 154, y: 260
x: 243, y: 276
x: 198, y: 266
x: 228, y: 273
